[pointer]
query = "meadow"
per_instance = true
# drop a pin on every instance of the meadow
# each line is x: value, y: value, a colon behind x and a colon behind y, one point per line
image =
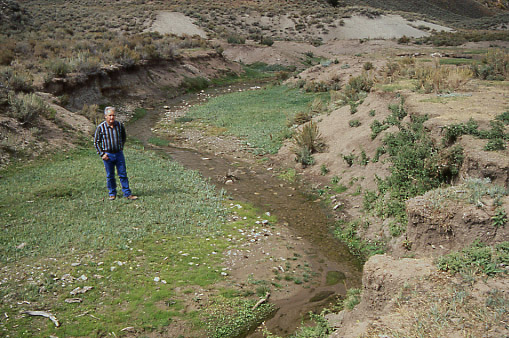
x: 261, y: 117
x: 101, y: 266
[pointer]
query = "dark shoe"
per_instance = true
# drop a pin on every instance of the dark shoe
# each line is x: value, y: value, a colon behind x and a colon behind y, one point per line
x: 132, y: 197
x: 112, y: 197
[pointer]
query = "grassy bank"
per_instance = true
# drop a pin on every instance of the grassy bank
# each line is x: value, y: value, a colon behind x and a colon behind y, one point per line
x: 102, y: 266
x: 260, y: 117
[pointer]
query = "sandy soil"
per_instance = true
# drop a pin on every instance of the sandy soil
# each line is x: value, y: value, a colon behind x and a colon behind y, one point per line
x: 176, y: 23
x: 382, y: 27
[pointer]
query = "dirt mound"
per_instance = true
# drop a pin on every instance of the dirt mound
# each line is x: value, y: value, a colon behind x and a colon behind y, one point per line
x: 444, y: 220
x: 50, y: 134
x: 409, y: 298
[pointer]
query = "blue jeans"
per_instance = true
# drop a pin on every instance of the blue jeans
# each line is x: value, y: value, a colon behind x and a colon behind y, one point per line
x: 116, y: 160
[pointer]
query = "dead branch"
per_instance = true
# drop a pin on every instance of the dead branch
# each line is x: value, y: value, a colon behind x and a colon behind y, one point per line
x: 261, y: 301
x: 44, y: 314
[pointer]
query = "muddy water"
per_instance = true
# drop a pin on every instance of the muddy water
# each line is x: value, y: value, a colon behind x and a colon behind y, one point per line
x: 304, y: 216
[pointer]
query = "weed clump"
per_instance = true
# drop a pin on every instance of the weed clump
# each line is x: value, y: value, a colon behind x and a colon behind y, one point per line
x: 476, y: 259
x: 27, y: 107
x: 494, y: 66
x: 496, y: 136
x: 307, y: 142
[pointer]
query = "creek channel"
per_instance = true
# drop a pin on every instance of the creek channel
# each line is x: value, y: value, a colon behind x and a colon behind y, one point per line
x: 305, y: 218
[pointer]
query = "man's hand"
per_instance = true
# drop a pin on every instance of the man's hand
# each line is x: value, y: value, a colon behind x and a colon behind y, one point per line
x: 105, y: 157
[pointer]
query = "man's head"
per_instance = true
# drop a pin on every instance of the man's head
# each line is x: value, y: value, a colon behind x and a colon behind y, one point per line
x: 109, y: 115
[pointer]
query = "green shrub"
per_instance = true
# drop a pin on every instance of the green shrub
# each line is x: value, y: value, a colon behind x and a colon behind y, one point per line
x: 494, y: 145
x: 267, y: 41
x: 353, y: 297
x: 324, y: 170
x: 368, y: 66
x: 500, y: 218
x: 478, y: 258
x: 377, y: 127
x: 17, y: 80
x: 496, y: 135
x: 85, y: 63
x: 454, y: 160
x: 124, y: 56
x: 364, y: 158
x: 27, y: 107
x: 415, y: 169
x: 356, y: 86
x: 349, y: 159
x: 195, y: 84
x: 304, y: 156
x: 504, y: 117
x: 347, y: 232
x: 59, y: 68
x: 494, y: 66
x: 236, y: 39
x: 354, y: 123
x: 234, y: 317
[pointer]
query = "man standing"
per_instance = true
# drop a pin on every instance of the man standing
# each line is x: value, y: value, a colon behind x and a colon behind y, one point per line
x: 109, y: 140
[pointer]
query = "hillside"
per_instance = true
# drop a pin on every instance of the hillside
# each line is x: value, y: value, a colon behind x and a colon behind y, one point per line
x: 438, y: 9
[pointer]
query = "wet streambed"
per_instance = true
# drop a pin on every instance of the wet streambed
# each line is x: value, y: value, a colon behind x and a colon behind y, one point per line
x: 305, y: 217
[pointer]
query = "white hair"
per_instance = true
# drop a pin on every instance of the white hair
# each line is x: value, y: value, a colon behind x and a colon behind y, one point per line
x: 108, y: 109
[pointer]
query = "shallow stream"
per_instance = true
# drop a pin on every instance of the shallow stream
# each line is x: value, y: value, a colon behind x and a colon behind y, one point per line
x: 305, y: 217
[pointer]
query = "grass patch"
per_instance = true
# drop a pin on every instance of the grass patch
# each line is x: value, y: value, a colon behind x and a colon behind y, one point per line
x: 158, y: 142
x: 348, y: 233
x: 255, y: 72
x: 457, y: 61
x: 230, y: 318
x: 257, y: 116
x: 138, y: 114
x: 144, y: 260
x: 478, y: 258
x: 60, y: 204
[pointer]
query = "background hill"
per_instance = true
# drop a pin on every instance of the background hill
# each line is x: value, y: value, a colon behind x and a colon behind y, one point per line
x: 439, y: 9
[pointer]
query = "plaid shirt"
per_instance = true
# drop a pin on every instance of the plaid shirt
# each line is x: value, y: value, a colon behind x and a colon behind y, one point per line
x: 109, y: 139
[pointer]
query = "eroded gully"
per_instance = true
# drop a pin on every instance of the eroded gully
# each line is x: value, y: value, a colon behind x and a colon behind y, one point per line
x: 304, y: 217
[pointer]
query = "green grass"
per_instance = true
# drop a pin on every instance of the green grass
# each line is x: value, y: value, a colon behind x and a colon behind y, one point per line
x: 159, y: 142
x: 257, y: 116
x: 138, y: 114
x: 254, y: 72
x: 478, y: 258
x: 61, y: 204
x: 53, y: 214
x: 458, y: 61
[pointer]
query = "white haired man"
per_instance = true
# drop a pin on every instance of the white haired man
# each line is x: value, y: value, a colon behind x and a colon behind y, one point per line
x: 109, y: 140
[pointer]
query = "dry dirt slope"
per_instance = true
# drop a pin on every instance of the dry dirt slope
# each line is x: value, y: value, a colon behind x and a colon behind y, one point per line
x: 396, y: 299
